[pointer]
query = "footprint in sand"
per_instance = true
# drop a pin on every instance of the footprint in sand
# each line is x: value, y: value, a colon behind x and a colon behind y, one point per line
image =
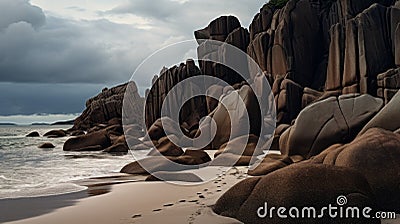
x: 157, y: 210
x: 136, y: 216
x: 193, y: 200
x: 168, y: 205
x: 219, y: 190
x: 201, y: 196
x: 181, y: 201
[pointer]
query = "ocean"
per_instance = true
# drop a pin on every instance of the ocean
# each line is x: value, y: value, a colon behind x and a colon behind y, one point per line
x: 28, y: 171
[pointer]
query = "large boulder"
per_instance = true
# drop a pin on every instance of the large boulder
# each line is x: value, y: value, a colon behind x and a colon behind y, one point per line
x: 46, y: 145
x: 218, y: 29
x: 55, y: 134
x: 191, y: 112
x: 33, y: 134
x: 388, y: 118
x: 244, y: 145
x: 388, y: 84
x: 108, y: 105
x: 191, y: 159
x: 300, y: 186
x: 376, y: 155
x: 94, y: 141
x: 166, y: 147
x: 237, y: 114
x: 327, y: 122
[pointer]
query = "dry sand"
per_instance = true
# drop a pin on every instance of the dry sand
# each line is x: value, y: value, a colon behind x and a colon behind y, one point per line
x: 148, y: 202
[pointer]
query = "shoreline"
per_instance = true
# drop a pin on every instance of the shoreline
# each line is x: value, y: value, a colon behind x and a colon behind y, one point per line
x: 138, y: 202
x: 25, y: 207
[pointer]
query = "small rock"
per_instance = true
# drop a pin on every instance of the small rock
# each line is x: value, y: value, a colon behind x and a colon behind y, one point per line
x: 47, y: 145
x: 136, y: 216
x: 33, y: 134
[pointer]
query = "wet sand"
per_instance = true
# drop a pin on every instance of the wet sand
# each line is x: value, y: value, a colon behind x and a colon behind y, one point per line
x: 140, y: 202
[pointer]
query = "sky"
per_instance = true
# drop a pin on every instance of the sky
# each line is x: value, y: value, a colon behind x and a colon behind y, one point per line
x: 55, y: 54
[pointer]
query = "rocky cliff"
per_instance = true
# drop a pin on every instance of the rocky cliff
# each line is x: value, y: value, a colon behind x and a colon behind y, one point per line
x: 108, y: 105
x: 334, y: 70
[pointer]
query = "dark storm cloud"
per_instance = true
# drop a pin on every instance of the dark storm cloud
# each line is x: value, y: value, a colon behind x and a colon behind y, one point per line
x: 26, y: 99
x: 12, y: 11
x: 65, y: 51
x: 50, y: 64
x: 184, y: 17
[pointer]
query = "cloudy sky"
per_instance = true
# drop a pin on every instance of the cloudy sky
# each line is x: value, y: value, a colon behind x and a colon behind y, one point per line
x: 55, y: 54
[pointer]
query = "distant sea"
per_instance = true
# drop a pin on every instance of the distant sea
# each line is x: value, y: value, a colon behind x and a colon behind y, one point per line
x: 27, y: 171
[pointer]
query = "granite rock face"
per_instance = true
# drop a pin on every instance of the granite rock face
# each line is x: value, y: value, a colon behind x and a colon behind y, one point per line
x: 191, y: 112
x: 298, y: 186
x: 108, y: 105
x: 376, y: 155
x: 330, y: 121
x: 327, y: 47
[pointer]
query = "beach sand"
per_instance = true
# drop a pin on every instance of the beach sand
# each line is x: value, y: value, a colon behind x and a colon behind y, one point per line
x: 145, y: 202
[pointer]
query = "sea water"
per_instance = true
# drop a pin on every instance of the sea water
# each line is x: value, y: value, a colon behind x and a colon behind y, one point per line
x: 28, y: 171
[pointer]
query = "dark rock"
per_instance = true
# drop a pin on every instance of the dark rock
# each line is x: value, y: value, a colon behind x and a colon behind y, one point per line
x: 218, y: 29
x: 230, y: 121
x: 271, y: 163
x: 388, y: 118
x: 388, y: 84
x: 166, y: 147
x: 92, y: 148
x: 47, y: 145
x: 55, y: 134
x: 133, y: 131
x: 159, y: 128
x: 98, y: 140
x: 77, y: 133
x: 376, y: 155
x: 288, y: 100
x: 115, y: 121
x: 327, y: 122
x: 297, y: 186
x: 230, y: 159
x: 191, y: 159
x: 243, y: 145
x: 117, y: 148
x: 192, y: 111
x: 170, y: 176
x: 108, y: 105
x: 33, y: 134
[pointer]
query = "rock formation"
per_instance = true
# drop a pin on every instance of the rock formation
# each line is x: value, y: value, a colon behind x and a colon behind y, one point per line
x: 297, y: 186
x: 376, y: 155
x: 108, y: 105
x: 333, y: 67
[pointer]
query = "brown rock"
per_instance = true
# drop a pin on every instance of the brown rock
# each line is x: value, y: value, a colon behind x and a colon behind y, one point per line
x: 271, y: 163
x: 33, y: 134
x: 55, y: 134
x: 376, y: 155
x: 47, y: 145
x: 171, y: 176
x: 388, y: 118
x: 298, y: 186
x: 117, y: 148
x: 230, y: 121
x: 77, y: 133
x: 166, y: 147
x: 93, y: 141
x: 230, y: 159
x: 191, y: 159
x: 108, y: 105
x: 218, y: 29
x: 327, y: 122
x: 243, y: 145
